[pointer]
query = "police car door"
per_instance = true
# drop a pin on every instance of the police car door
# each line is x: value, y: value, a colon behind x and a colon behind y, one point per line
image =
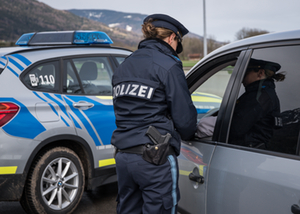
x: 208, y: 83
x: 88, y: 93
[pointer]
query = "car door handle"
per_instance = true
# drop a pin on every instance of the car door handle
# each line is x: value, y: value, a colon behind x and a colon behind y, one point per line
x: 295, y: 209
x: 83, y: 105
x: 195, y: 176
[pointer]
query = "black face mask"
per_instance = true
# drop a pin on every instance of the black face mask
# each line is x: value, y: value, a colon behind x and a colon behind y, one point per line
x: 179, y: 48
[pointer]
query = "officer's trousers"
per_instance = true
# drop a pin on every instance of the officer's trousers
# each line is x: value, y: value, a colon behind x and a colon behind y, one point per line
x: 146, y: 188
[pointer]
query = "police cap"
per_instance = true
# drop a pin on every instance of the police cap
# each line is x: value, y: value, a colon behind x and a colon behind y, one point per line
x: 165, y: 21
x: 262, y: 64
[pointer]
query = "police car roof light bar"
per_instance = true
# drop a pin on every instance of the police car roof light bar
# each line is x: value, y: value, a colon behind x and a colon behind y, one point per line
x: 64, y: 38
x: 91, y: 37
x: 23, y: 40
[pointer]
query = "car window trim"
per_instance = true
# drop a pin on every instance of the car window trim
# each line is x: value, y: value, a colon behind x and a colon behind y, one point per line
x: 275, y: 44
x: 114, y: 56
x: 209, y: 59
x: 206, y: 68
x: 298, y: 145
x: 231, y: 95
x: 114, y: 61
x: 77, y: 75
x: 220, y: 127
x: 61, y: 68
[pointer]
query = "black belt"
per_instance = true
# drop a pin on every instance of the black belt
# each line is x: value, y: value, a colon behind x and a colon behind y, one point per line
x: 134, y: 150
x: 139, y: 150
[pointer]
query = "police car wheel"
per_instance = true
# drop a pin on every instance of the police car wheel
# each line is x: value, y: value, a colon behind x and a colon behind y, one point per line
x: 55, y: 183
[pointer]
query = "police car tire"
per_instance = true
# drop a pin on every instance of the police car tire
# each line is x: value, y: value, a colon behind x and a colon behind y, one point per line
x: 34, y: 202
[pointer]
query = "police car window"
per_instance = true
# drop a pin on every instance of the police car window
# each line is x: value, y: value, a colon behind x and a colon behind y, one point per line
x: 94, y: 75
x: 120, y: 59
x: 208, y: 96
x: 71, y: 83
x: 282, y: 132
x: 43, y: 77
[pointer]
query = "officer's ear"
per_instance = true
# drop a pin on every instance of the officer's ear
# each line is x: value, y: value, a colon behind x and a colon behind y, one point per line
x: 173, y: 35
x: 261, y: 74
x: 171, y: 38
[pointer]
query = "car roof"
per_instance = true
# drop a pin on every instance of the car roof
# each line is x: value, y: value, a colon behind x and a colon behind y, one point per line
x: 18, y: 49
x: 8, y: 50
x: 256, y: 40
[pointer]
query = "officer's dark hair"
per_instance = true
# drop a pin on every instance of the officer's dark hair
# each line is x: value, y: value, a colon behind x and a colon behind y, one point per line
x: 150, y: 31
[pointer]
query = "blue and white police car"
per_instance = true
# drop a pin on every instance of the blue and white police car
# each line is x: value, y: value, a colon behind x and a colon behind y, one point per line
x: 56, y: 118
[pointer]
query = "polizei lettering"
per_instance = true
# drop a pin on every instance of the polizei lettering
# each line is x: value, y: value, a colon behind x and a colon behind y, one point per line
x: 133, y: 90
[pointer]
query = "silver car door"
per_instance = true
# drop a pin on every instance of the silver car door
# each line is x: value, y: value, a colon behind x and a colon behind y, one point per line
x: 246, y: 180
x: 208, y: 89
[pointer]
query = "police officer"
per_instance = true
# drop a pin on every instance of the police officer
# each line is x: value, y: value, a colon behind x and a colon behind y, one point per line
x: 253, y: 119
x: 150, y: 89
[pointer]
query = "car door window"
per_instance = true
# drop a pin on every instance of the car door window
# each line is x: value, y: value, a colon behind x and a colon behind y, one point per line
x: 71, y: 79
x: 90, y: 75
x: 120, y: 59
x: 276, y: 130
x: 208, y: 94
x: 43, y: 77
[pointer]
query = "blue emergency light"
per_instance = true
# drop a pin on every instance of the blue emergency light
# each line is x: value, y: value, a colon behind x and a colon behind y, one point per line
x: 64, y: 38
x: 23, y: 40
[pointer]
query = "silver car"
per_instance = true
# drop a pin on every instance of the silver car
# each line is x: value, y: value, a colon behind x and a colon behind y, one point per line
x: 217, y: 176
x: 56, y: 118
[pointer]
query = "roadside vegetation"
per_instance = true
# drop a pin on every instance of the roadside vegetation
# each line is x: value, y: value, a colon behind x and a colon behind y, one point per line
x: 189, y: 63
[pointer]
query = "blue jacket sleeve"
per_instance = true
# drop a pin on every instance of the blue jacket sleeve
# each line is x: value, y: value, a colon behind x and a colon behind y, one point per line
x: 182, y: 109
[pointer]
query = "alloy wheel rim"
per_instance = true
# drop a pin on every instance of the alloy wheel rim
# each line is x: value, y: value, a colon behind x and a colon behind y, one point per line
x: 59, y: 184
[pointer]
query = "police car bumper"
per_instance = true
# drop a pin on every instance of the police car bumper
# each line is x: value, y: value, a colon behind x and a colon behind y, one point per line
x: 11, y: 187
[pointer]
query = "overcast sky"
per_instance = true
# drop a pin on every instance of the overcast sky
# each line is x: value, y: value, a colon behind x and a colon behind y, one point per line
x: 224, y: 18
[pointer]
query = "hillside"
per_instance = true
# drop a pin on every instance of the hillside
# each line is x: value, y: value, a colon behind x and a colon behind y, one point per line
x: 24, y: 16
x: 130, y: 22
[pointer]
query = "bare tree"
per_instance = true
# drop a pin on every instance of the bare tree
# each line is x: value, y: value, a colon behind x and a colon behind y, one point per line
x: 213, y: 44
x: 249, y: 32
x: 191, y: 46
x: 195, y: 46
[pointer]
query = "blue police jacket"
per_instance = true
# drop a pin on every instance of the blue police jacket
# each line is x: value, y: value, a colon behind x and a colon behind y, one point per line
x: 149, y: 88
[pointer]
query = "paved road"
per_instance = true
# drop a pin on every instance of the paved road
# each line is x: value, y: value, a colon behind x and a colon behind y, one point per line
x: 101, y: 200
